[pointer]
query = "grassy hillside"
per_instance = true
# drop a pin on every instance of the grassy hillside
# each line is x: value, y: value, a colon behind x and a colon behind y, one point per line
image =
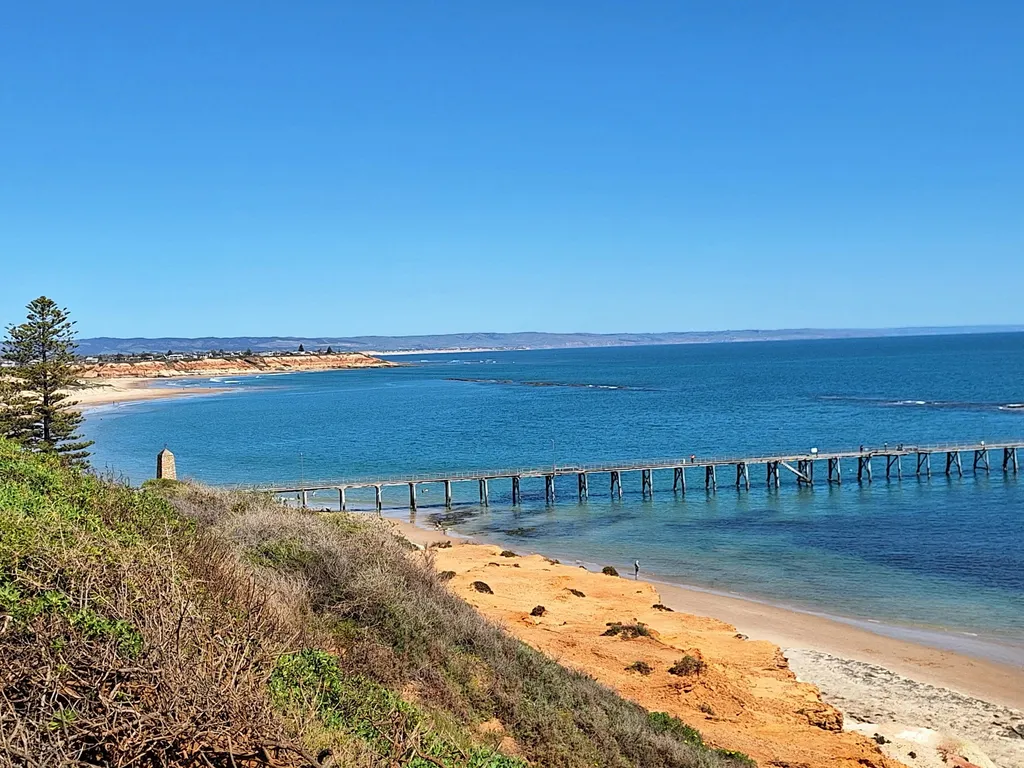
x: 179, y: 626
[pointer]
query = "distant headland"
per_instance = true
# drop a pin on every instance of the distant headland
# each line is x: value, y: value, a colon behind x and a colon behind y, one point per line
x: 173, y: 365
x: 474, y: 342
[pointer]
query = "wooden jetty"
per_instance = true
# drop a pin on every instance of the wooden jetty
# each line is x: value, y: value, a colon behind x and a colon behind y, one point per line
x: 800, y: 465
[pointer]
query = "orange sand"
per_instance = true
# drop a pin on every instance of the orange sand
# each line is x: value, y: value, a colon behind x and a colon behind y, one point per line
x: 747, y: 699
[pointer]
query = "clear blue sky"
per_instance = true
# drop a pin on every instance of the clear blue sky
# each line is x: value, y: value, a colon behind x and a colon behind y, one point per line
x: 264, y: 168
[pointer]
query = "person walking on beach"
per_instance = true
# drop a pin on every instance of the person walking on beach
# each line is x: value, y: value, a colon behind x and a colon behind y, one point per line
x: 636, y: 570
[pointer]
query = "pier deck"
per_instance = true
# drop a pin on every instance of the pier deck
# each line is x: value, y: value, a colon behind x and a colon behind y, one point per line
x: 800, y: 465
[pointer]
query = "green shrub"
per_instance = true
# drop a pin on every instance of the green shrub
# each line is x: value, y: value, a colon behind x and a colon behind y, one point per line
x: 627, y: 631
x: 640, y: 666
x: 283, y: 554
x: 609, y: 571
x: 663, y: 722
x: 393, y: 730
x: 687, y: 666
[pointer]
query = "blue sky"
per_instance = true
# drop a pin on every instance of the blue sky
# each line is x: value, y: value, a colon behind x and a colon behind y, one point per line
x: 195, y: 168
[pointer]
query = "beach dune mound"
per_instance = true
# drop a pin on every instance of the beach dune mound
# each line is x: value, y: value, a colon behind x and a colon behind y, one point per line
x: 739, y: 693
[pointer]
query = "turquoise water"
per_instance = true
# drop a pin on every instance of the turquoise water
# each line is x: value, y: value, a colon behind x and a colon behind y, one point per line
x: 945, y: 555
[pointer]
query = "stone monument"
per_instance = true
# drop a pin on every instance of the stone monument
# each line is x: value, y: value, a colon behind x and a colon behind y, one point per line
x: 165, y: 466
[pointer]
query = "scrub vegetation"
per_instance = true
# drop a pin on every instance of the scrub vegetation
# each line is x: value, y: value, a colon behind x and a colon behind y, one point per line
x: 176, y: 625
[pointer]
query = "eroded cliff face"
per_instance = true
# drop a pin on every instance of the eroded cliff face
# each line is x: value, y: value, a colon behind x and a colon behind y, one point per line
x: 742, y: 697
x: 159, y: 369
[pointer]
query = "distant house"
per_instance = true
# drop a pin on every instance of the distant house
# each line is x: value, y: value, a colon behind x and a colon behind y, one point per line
x: 173, y: 358
x: 7, y: 364
x: 92, y: 359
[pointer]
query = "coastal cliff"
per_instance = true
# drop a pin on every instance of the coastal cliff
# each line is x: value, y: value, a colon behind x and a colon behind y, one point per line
x: 739, y: 693
x: 217, y: 366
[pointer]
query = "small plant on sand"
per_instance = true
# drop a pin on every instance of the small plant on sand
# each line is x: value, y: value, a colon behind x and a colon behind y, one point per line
x: 540, y: 610
x: 508, y: 553
x: 576, y: 592
x: 640, y: 666
x: 626, y: 631
x: 660, y: 607
x: 688, y: 666
x: 609, y: 571
x: 446, y: 575
x: 481, y: 586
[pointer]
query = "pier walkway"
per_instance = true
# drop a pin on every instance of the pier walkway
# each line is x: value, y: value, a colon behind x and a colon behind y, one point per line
x: 706, y: 469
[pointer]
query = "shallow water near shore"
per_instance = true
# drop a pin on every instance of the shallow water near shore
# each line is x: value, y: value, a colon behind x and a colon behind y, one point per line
x: 942, y: 555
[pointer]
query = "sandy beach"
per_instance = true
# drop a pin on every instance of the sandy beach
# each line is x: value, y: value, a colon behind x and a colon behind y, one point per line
x: 109, y: 383
x: 765, y: 666
x: 131, y: 389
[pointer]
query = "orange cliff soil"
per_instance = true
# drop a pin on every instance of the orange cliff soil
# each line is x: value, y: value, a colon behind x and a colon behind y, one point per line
x: 215, y: 366
x: 746, y: 698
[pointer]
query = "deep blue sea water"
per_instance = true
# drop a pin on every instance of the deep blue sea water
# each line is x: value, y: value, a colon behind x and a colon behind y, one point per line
x: 941, y: 554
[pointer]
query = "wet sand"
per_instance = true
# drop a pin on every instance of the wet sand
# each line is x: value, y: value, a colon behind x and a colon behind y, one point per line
x: 111, y: 391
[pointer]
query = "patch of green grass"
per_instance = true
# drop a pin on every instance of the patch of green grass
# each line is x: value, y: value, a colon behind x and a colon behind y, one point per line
x: 164, y: 486
x: 390, y: 727
x: 282, y: 554
x: 736, y: 758
x: 663, y: 722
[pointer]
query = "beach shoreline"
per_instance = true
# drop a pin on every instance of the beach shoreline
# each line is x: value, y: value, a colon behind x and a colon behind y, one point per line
x: 116, y: 383
x: 930, y: 692
x: 1000, y: 683
x: 107, y: 392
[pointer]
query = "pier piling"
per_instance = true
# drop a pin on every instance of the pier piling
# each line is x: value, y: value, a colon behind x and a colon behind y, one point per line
x: 742, y: 476
x: 616, y: 484
x: 646, y: 485
x: 981, y: 460
x: 380, y: 501
x: 679, y: 479
x: 1010, y: 459
x: 835, y: 471
x: 924, y: 460
x: 412, y: 496
x: 517, y: 495
x: 549, y: 489
x: 804, y: 472
x: 484, y: 499
x: 953, y: 460
x: 581, y: 481
x: 864, y: 468
x: 893, y: 460
x: 448, y: 494
x: 710, y: 479
x: 341, y: 499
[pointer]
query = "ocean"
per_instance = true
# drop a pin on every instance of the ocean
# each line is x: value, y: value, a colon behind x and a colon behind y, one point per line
x: 938, y: 559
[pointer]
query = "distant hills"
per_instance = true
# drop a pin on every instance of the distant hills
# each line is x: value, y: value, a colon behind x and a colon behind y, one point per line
x: 105, y: 345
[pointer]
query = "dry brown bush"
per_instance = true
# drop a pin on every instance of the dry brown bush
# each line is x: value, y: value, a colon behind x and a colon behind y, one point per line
x: 394, y: 621
x: 116, y: 650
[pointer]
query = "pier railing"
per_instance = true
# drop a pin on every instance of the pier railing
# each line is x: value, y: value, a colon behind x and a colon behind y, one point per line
x: 863, y: 454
